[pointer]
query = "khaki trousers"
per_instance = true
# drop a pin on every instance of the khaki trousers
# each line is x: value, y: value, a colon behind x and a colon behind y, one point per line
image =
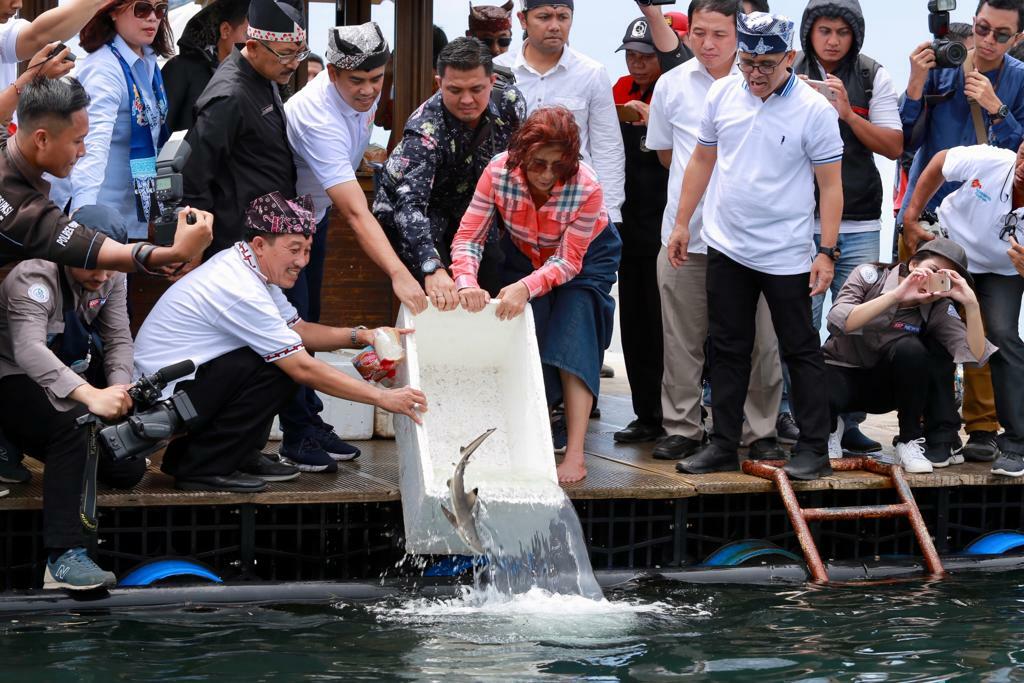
x: 684, y: 314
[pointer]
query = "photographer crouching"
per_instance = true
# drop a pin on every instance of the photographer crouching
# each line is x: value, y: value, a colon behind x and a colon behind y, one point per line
x: 66, y: 350
x: 230, y: 317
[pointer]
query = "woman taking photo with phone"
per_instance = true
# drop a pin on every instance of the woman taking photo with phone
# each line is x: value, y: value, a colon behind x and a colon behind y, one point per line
x: 127, y: 111
x: 561, y: 256
x: 895, y: 336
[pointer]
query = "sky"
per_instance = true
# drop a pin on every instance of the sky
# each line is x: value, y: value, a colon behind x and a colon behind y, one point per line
x: 894, y: 28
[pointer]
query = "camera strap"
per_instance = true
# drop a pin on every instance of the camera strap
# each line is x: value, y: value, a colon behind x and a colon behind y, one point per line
x: 87, y: 505
x: 980, y: 129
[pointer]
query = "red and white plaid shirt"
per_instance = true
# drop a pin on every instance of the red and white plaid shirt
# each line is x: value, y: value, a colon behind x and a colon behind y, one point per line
x: 555, y: 236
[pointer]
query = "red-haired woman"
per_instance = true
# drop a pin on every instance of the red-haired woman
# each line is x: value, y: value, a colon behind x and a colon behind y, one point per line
x: 127, y: 112
x: 561, y: 257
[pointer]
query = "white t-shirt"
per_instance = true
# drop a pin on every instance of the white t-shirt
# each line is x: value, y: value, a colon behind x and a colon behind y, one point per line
x: 9, y: 50
x: 673, y: 123
x: 223, y: 305
x: 759, y: 208
x: 973, y: 214
x: 328, y: 137
x: 883, y: 111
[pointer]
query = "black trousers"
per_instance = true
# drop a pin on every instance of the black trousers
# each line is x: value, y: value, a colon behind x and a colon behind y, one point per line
x: 914, y: 378
x: 51, y: 436
x: 640, y: 327
x: 236, y: 396
x: 733, y: 292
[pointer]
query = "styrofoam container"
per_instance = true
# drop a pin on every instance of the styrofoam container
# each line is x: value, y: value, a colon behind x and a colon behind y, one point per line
x: 478, y: 372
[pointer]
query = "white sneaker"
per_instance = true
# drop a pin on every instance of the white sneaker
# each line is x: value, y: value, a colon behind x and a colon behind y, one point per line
x: 835, y: 441
x: 910, y: 456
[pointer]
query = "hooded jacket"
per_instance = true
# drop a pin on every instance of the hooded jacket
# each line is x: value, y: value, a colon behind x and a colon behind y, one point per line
x: 862, y: 184
x: 186, y: 75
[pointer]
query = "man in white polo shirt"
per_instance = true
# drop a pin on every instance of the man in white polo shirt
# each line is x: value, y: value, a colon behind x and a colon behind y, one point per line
x: 986, y: 215
x: 329, y: 124
x: 766, y: 137
x: 550, y: 73
x: 672, y: 130
x: 250, y: 348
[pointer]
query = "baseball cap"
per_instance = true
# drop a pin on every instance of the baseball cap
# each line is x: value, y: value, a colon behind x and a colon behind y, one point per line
x: 638, y: 37
x: 947, y: 248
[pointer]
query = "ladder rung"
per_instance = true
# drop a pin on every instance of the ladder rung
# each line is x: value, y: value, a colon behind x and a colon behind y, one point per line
x: 861, y: 512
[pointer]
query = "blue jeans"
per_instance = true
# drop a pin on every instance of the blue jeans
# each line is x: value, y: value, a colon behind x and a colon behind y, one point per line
x: 855, y: 249
x: 301, y: 416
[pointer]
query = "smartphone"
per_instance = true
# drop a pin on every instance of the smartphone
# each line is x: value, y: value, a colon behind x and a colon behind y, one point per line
x: 822, y: 87
x: 627, y: 114
x: 939, y: 282
x: 57, y: 50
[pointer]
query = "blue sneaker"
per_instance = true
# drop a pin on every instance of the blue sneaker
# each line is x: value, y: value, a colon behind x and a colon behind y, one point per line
x: 559, y: 435
x: 308, y: 455
x: 12, y: 471
x: 74, y: 570
x: 339, y: 450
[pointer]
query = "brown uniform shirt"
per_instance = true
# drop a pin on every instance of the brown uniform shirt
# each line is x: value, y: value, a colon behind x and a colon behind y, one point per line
x: 864, y: 347
x: 32, y: 312
x: 31, y: 226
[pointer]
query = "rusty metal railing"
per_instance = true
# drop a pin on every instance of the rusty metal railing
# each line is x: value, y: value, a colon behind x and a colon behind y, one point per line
x: 799, y: 517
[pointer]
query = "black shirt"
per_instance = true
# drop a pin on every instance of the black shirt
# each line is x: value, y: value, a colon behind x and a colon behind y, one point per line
x: 31, y: 226
x: 239, y: 148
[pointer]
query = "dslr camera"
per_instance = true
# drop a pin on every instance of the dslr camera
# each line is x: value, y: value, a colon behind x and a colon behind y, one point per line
x: 153, y: 422
x: 948, y: 53
x: 168, y: 187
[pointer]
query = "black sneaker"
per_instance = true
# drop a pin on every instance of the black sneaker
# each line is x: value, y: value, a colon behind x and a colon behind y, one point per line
x: 638, y: 431
x: 12, y: 471
x: 710, y: 459
x: 941, y: 455
x: 675, y: 447
x: 981, y: 446
x: 308, y: 456
x: 1009, y: 465
x: 339, y: 450
x: 786, y: 430
x: 559, y: 435
x: 269, y: 469
x: 766, y: 449
x: 857, y: 442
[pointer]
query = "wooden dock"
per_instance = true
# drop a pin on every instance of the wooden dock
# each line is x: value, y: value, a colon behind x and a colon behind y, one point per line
x: 616, y: 472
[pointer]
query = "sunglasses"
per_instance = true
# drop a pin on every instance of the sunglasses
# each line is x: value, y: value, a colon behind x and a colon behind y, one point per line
x: 539, y: 166
x: 142, y: 9
x: 1009, y: 227
x: 501, y: 41
x: 982, y: 31
x: 287, y: 57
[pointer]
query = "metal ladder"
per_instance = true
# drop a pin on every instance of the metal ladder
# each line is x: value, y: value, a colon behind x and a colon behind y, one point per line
x: 799, y: 517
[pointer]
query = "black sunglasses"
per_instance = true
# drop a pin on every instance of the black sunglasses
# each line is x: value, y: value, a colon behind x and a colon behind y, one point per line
x: 143, y: 9
x: 982, y: 31
x: 501, y: 41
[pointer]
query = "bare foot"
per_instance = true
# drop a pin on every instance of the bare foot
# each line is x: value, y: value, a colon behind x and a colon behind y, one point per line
x: 570, y: 472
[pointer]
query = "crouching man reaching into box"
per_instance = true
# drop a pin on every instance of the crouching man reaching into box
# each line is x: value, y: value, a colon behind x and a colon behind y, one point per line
x: 230, y: 317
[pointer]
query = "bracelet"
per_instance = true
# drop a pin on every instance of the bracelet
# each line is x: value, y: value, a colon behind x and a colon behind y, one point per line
x: 355, y: 335
x: 141, y: 251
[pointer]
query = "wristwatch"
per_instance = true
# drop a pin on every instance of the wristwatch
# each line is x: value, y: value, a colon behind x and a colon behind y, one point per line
x: 1002, y: 112
x: 831, y: 252
x: 355, y: 335
x: 430, y: 266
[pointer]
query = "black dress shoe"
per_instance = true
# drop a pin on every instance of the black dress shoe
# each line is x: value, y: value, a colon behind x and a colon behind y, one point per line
x: 675, y: 447
x: 268, y: 469
x: 710, y: 459
x: 236, y: 482
x: 786, y: 429
x: 637, y: 431
x: 766, y: 449
x: 808, y: 466
x: 857, y: 442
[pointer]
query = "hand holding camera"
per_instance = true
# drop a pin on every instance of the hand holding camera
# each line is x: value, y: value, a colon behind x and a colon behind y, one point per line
x: 193, y: 235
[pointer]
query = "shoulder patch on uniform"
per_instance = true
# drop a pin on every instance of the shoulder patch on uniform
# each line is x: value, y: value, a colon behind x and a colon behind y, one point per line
x: 951, y: 312
x: 869, y: 274
x: 39, y: 292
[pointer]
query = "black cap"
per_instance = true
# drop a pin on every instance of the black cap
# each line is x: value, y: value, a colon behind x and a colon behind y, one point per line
x: 276, y: 21
x: 638, y: 37
x: 948, y: 249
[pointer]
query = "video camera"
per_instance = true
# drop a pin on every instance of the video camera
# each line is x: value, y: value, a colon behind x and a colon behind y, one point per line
x: 168, y: 187
x: 153, y: 421
x: 948, y: 53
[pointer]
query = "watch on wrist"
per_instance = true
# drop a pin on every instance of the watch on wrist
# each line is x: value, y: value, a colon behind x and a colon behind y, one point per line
x: 430, y: 266
x: 355, y: 335
x: 831, y: 252
x: 1002, y: 112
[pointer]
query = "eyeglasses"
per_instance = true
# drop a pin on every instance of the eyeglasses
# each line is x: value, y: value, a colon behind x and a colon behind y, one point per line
x: 500, y: 41
x: 539, y: 166
x: 982, y: 31
x: 766, y: 68
x: 287, y: 57
x: 143, y: 9
x: 1009, y: 226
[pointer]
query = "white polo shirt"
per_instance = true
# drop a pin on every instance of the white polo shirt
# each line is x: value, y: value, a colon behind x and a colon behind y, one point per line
x: 9, y: 32
x: 674, y: 122
x: 581, y: 85
x: 759, y: 208
x: 328, y: 138
x: 223, y: 305
x: 974, y: 214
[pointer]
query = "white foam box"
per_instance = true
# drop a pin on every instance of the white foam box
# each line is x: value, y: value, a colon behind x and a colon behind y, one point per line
x: 478, y: 372
x: 351, y: 420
